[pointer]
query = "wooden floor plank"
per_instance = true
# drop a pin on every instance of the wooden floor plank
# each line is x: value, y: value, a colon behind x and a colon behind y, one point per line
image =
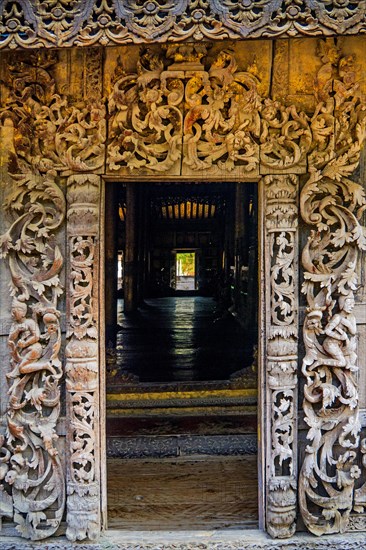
x: 183, y: 493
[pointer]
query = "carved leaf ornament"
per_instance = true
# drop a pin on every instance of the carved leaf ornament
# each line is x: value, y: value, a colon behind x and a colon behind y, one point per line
x: 217, y: 113
x: 281, y: 334
x: 207, y: 116
x: 32, y: 473
x: 60, y: 23
x: 333, y: 205
x: 50, y: 132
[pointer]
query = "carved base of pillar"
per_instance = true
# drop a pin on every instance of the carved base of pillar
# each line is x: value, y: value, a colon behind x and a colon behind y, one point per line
x: 82, y: 512
x: 281, y: 511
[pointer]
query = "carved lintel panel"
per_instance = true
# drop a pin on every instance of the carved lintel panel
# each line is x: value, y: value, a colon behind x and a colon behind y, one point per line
x: 32, y: 483
x: 82, y: 376
x: 146, y: 121
x: 281, y: 334
x: 65, y: 23
x: 332, y: 204
x: 215, y: 110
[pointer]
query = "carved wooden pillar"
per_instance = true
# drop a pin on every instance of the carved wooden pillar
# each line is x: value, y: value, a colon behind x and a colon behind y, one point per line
x: 82, y: 377
x: 32, y: 485
x: 280, y: 325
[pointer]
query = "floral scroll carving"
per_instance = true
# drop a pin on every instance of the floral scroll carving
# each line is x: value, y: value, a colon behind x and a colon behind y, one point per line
x: 180, y: 114
x: 332, y: 204
x: 280, y: 249
x: 32, y: 479
x: 146, y: 123
x: 32, y: 24
x: 82, y: 376
x: 50, y: 132
x: 223, y: 122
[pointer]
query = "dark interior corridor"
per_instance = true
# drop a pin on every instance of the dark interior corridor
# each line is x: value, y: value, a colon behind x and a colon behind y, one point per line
x: 181, y: 299
x: 160, y: 329
x: 179, y: 339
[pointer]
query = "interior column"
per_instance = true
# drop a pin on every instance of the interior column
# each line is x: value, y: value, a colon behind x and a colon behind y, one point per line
x: 130, y: 281
x: 111, y: 262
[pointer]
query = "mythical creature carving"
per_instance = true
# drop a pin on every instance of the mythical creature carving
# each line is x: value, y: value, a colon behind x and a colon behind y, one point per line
x: 281, y: 215
x: 333, y: 204
x: 33, y: 487
x: 50, y: 132
x: 82, y: 381
x: 74, y: 23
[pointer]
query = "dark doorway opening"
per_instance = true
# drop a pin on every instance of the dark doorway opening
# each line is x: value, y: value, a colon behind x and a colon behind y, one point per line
x: 181, y: 306
x: 181, y: 283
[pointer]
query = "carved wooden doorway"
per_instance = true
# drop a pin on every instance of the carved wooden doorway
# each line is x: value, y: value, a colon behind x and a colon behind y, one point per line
x: 182, y: 362
x: 178, y: 113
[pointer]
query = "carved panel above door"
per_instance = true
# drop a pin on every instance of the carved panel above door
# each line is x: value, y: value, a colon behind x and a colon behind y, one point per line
x: 208, y: 116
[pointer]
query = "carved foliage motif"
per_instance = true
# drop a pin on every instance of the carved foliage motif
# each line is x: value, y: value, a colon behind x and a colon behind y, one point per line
x: 32, y: 480
x: 280, y: 249
x: 332, y: 204
x: 44, y: 135
x: 224, y: 123
x: 49, y: 131
x: 78, y: 22
x: 146, y: 123
x: 82, y: 358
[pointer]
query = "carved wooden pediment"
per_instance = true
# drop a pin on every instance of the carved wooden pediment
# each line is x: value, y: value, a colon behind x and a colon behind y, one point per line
x: 178, y: 115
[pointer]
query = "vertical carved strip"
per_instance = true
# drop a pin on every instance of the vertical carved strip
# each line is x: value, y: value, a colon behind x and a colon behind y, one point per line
x: 332, y: 205
x: 280, y: 249
x: 32, y: 488
x: 329, y: 366
x: 82, y: 383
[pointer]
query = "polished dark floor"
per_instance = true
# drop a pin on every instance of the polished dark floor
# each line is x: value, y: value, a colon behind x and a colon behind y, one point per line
x: 180, y: 339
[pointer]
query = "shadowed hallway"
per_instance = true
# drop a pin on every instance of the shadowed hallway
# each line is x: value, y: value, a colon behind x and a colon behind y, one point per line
x: 180, y: 339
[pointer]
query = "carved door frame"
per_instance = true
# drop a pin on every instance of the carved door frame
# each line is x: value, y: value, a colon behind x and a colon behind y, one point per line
x: 277, y: 496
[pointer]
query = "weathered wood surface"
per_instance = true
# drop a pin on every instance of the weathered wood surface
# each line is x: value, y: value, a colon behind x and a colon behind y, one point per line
x: 32, y: 24
x: 204, y: 493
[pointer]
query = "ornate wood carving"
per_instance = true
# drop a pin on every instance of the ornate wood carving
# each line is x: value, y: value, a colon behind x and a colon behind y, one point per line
x: 50, y: 131
x: 332, y: 204
x: 224, y: 123
x: 32, y: 481
x: 82, y: 376
x: 146, y: 122
x: 281, y: 334
x: 33, y: 24
x: 212, y: 115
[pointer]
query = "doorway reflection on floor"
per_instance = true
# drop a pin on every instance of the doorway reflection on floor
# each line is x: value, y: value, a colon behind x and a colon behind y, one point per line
x: 173, y: 339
